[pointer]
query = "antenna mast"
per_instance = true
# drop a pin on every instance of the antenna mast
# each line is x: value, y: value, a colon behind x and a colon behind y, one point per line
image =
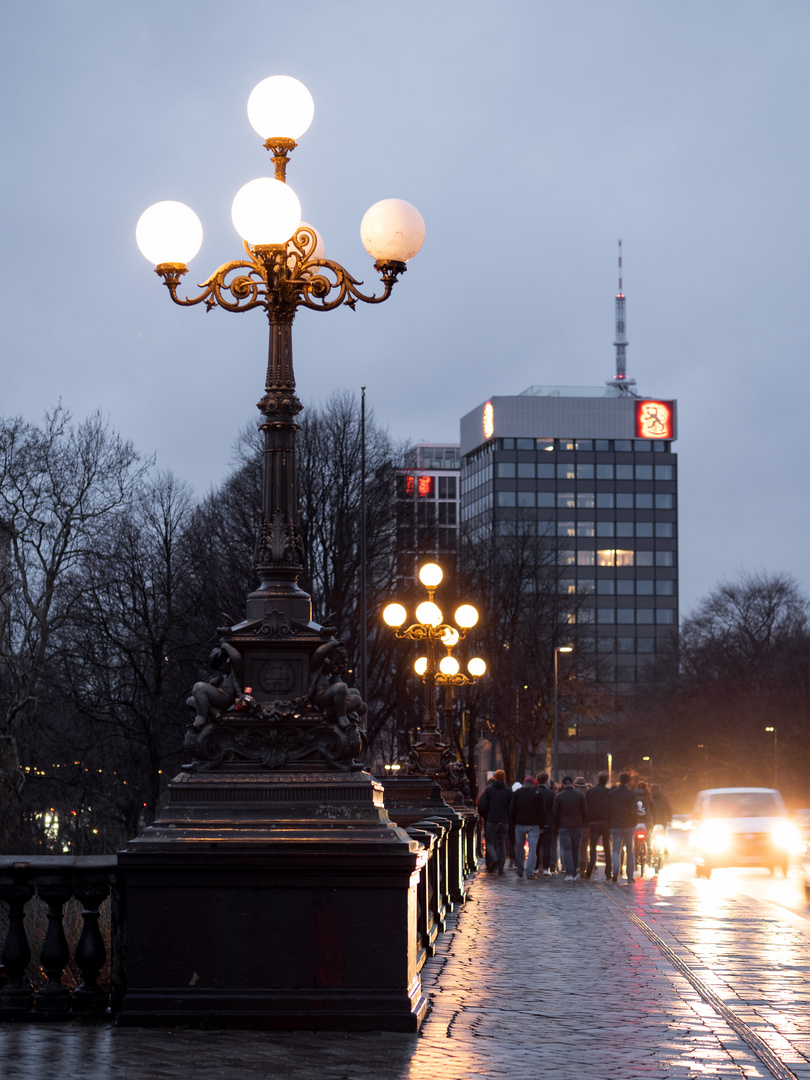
x: 620, y: 379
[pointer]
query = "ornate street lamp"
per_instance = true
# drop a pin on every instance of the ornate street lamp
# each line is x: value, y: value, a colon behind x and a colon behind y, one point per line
x: 430, y: 754
x: 292, y: 665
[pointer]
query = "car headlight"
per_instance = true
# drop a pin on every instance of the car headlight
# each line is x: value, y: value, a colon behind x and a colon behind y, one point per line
x: 713, y: 838
x: 786, y: 836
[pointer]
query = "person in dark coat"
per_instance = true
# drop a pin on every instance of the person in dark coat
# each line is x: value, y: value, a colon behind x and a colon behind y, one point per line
x: 549, y: 850
x: 493, y: 806
x: 570, y: 817
x: 597, y: 799
x: 526, y: 817
x: 623, y: 820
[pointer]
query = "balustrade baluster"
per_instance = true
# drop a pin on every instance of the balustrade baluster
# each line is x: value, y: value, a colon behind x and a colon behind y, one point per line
x: 54, y: 997
x: 16, y: 996
x: 90, y: 952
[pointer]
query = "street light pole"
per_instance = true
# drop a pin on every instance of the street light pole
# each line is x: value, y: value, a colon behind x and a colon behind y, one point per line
x: 556, y: 735
x: 292, y: 665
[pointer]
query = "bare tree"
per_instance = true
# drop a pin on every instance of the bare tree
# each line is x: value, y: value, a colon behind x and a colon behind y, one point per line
x: 60, y: 486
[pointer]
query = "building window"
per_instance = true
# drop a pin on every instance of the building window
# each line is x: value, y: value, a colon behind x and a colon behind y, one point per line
x: 525, y: 498
x: 606, y: 616
x: 645, y: 615
x: 566, y: 528
x: 624, y: 528
x: 604, y: 472
x: 544, y: 444
x: 644, y: 587
x: 663, y: 472
x: 585, y: 500
x: 644, y: 528
x: 624, y: 500
x: 447, y: 487
x: 585, y: 472
x: 545, y: 498
x: 624, y: 587
x: 584, y: 444
x: 625, y: 644
x: 663, y: 501
x: 601, y: 445
x: 624, y: 472
x: 623, y: 445
x: 566, y: 557
x: 644, y: 500
x: 447, y: 513
x: 664, y: 529
x: 604, y: 500
x: 546, y: 470
x: 565, y: 470
x: 525, y: 470
x: 566, y: 500
x: 664, y: 558
x: 625, y: 615
x: 665, y: 616
x: 644, y: 472
x: 645, y: 645
x: 644, y: 558
x: 585, y: 528
x: 614, y: 557
x: 525, y: 444
x: 567, y: 585
x: 665, y: 588
x: 505, y: 470
x: 606, y: 586
x: 507, y: 444
x: 585, y: 558
x: 506, y: 498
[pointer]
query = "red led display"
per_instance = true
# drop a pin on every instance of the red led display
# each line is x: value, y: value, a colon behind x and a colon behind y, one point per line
x: 654, y: 419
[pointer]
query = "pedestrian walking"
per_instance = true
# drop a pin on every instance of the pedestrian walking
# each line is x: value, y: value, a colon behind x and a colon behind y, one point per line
x: 581, y: 784
x: 570, y: 817
x: 493, y: 806
x: 623, y: 818
x: 526, y: 817
x: 547, y: 849
x: 597, y: 799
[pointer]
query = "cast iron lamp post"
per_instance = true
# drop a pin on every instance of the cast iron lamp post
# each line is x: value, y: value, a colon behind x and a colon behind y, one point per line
x: 283, y: 268
x: 429, y: 753
x: 555, y: 762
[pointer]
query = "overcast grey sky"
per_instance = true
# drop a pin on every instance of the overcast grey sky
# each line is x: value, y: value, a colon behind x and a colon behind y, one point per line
x: 531, y: 135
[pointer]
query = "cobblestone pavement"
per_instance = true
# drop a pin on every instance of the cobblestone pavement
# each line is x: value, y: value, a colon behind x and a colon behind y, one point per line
x: 659, y: 979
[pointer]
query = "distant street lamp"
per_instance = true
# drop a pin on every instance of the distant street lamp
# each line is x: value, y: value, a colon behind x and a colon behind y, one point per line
x: 556, y: 758
x: 648, y: 759
x: 773, y: 731
x: 429, y: 752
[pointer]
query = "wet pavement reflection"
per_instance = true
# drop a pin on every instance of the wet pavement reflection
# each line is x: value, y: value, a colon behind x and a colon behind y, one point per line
x: 668, y: 977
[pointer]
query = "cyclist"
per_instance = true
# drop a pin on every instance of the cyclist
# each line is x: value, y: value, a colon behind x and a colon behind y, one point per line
x: 645, y: 819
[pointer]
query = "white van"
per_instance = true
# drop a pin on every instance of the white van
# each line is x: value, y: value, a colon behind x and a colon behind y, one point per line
x: 741, y: 827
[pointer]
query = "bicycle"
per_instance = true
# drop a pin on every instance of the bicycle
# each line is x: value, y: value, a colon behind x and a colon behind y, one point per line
x: 642, y: 854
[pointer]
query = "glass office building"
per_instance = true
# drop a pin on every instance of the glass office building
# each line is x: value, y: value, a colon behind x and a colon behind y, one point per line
x: 427, y: 509
x: 592, y: 472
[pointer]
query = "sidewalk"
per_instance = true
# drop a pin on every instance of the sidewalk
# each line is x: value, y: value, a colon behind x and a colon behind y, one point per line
x: 532, y: 977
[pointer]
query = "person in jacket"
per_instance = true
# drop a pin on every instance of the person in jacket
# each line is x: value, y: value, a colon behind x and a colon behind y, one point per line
x: 526, y: 817
x: 623, y: 820
x: 570, y: 817
x: 493, y: 806
x: 549, y: 850
x: 597, y: 799
x: 581, y: 784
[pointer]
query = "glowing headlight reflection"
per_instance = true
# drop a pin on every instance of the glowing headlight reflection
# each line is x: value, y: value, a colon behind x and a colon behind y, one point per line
x: 714, y: 838
x: 786, y: 836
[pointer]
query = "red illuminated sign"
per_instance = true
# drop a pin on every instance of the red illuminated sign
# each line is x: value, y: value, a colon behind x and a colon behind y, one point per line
x: 654, y: 420
x: 422, y: 486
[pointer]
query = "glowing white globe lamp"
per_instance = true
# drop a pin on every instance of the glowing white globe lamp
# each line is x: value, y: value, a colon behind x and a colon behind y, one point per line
x: 466, y: 616
x: 476, y: 667
x: 392, y: 231
x: 394, y: 615
x: 280, y: 108
x: 420, y: 666
x: 428, y: 614
x: 169, y: 232
x: 448, y: 665
x: 430, y: 575
x: 266, y: 212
